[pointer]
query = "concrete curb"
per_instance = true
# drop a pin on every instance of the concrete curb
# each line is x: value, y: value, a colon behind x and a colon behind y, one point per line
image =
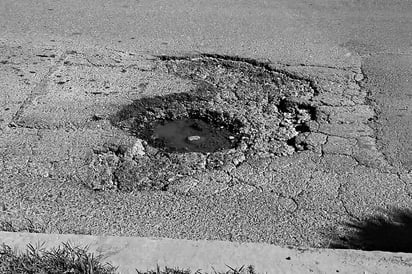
x: 130, y: 253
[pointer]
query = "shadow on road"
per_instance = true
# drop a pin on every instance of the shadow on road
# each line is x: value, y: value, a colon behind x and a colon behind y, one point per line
x: 391, y: 231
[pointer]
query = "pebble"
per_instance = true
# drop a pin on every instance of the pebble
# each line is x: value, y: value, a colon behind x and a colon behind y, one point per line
x: 359, y: 77
x: 193, y: 138
x: 98, y: 116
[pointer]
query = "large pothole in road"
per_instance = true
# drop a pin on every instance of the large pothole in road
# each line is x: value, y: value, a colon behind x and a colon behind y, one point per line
x: 238, y: 110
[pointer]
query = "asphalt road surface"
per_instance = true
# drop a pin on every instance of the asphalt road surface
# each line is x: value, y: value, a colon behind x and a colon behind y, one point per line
x: 358, y: 48
x: 307, y: 32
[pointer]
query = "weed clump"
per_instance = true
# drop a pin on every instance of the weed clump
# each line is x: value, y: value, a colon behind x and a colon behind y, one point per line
x: 63, y: 259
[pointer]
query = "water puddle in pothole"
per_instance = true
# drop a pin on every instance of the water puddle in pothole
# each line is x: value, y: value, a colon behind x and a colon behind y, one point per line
x: 192, y: 135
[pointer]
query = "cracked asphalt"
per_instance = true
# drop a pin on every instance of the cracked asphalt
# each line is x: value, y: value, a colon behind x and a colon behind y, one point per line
x: 67, y: 68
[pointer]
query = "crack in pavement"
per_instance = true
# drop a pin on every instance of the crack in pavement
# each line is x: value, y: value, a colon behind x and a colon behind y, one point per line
x: 404, y: 177
x: 345, y: 208
x: 38, y: 90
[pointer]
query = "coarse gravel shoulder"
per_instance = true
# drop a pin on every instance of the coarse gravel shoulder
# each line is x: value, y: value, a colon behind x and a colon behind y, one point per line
x: 79, y: 153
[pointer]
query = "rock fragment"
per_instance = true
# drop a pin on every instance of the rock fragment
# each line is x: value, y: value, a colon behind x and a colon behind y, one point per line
x: 137, y: 150
x: 193, y: 138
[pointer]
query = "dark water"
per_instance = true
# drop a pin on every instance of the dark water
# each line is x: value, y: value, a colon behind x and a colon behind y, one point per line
x: 192, y: 135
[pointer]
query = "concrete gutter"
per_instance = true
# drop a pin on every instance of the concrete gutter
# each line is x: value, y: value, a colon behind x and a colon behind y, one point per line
x: 130, y: 253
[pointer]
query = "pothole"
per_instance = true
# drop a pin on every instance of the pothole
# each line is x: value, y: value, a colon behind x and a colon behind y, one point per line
x: 237, y: 110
